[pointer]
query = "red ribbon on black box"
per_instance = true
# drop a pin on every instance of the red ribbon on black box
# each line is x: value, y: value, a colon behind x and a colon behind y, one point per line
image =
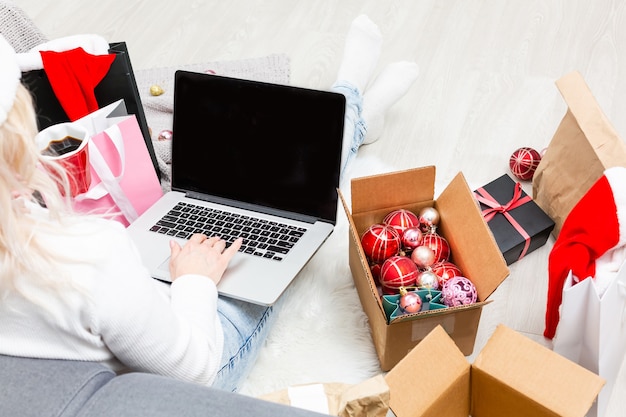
x: 518, y: 224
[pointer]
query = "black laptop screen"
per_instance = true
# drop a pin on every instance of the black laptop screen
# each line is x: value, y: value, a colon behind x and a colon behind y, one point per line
x: 263, y: 144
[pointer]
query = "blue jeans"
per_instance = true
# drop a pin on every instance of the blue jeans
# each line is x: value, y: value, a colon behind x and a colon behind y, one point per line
x: 245, y: 327
x: 354, y: 126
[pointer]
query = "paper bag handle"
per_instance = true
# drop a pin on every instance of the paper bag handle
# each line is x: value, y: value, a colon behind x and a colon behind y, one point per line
x: 109, y: 183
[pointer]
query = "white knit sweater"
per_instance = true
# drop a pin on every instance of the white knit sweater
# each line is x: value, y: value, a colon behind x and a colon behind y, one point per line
x: 123, y: 318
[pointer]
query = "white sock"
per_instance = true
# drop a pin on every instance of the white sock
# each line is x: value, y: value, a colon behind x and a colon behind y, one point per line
x: 392, y: 83
x: 361, y: 52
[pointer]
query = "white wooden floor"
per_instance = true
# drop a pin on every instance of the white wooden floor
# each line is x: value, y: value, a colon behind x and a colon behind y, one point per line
x: 486, y: 84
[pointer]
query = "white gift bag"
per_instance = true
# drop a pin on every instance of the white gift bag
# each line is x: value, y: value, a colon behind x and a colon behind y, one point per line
x: 592, y: 329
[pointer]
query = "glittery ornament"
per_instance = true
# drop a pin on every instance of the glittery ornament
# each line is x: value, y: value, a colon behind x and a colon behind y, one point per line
x: 380, y: 242
x: 429, y: 219
x: 411, y: 238
x: 446, y: 270
x: 409, y: 302
x: 400, y: 220
x: 423, y: 256
x: 438, y: 244
x: 427, y: 280
x: 458, y: 291
x: 156, y: 90
x: 397, y: 271
x: 524, y: 162
x: 165, y: 135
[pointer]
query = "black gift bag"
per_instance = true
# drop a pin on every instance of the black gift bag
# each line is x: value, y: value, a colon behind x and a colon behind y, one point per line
x: 119, y: 83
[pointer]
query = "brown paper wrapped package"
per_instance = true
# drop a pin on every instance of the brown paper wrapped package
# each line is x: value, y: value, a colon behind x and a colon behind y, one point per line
x: 369, y: 398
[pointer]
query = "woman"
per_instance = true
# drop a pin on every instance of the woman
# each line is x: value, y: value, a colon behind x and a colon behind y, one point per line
x: 73, y: 287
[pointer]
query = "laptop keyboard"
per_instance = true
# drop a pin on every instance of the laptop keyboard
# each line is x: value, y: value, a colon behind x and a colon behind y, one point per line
x: 261, y: 237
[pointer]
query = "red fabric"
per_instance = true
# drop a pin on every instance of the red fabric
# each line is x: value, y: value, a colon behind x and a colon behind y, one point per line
x: 589, y: 231
x: 74, y: 75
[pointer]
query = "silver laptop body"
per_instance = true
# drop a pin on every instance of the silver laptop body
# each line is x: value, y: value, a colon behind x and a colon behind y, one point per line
x: 247, y: 157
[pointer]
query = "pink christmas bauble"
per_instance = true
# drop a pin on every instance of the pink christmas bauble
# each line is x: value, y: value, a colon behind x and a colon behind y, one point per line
x: 446, y: 270
x: 401, y: 220
x: 427, y: 280
x: 411, y: 238
x: 409, y: 302
x: 423, y: 256
x: 458, y: 291
x: 396, y: 272
x: 380, y: 242
x: 438, y: 244
x: 523, y: 163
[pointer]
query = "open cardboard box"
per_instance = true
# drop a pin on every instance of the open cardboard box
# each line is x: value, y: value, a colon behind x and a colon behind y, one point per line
x: 512, y: 376
x: 473, y: 247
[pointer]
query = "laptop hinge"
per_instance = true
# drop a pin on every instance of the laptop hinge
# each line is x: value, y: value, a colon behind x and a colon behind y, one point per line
x: 253, y: 207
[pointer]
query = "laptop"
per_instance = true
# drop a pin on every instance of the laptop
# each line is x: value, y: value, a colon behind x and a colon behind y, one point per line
x: 250, y: 159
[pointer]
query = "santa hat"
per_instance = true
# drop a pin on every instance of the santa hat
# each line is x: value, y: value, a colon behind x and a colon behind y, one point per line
x: 10, y: 76
x: 592, y: 233
x: 74, y: 65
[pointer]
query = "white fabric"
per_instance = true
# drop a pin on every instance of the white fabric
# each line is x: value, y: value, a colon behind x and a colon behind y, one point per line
x: 122, y: 318
x: 92, y: 44
x: 10, y: 75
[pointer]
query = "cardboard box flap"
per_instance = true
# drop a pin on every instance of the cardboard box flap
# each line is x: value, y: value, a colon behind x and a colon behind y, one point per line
x: 419, y: 384
x: 460, y: 211
x: 537, y: 373
x: 401, y: 189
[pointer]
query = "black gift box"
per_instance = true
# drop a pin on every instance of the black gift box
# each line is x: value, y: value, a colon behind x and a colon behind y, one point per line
x: 522, y: 212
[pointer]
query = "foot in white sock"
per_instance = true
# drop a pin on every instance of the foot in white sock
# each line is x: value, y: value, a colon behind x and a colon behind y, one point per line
x: 361, y: 52
x: 392, y: 83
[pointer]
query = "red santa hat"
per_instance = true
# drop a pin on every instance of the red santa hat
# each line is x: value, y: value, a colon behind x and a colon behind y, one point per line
x: 591, y: 233
x: 10, y: 76
x: 75, y: 65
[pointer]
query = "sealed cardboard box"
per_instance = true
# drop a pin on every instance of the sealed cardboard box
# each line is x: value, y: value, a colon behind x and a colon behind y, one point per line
x: 472, y: 245
x: 512, y: 376
x: 518, y: 224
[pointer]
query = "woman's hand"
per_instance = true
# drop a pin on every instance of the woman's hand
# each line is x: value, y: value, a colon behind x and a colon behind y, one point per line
x: 203, y: 256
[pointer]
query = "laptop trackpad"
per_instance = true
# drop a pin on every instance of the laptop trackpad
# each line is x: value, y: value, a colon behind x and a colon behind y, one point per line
x: 165, y: 266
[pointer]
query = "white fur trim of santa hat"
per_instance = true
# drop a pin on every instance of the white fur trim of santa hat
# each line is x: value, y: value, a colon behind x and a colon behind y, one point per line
x: 10, y: 76
x: 91, y: 43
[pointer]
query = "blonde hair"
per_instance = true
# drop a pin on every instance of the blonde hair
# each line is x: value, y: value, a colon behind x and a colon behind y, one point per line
x: 23, y: 180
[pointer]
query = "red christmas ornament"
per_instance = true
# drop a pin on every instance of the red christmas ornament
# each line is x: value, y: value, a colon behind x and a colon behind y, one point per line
x: 423, y: 256
x: 411, y: 238
x: 396, y: 272
x: 409, y: 302
x: 438, y: 244
x: 524, y: 162
x: 380, y: 242
x: 401, y: 220
x: 446, y: 270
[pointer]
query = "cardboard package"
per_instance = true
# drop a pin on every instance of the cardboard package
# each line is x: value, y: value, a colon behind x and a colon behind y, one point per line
x: 512, y: 376
x: 472, y: 245
x: 518, y: 224
x: 583, y: 146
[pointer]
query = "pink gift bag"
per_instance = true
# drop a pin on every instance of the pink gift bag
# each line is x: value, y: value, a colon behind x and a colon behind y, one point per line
x: 123, y: 179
